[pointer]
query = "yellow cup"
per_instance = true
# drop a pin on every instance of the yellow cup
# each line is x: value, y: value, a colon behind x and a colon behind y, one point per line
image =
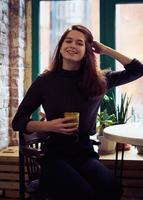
x: 75, y: 115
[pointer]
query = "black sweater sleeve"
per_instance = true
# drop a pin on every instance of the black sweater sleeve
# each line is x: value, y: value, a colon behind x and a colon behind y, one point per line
x: 30, y: 103
x: 132, y: 71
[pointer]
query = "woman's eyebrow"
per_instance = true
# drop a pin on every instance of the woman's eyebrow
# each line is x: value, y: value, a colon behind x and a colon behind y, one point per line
x: 80, y: 40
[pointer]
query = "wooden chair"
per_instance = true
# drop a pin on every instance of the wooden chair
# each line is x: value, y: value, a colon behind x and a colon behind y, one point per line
x: 30, y: 157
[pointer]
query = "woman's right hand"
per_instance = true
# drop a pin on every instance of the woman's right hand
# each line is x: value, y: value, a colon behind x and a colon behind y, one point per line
x: 66, y: 125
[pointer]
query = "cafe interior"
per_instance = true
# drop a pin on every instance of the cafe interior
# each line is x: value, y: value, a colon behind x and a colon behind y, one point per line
x: 29, y: 33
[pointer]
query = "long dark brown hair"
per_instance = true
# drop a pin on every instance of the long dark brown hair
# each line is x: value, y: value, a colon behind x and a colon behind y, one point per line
x: 92, y: 81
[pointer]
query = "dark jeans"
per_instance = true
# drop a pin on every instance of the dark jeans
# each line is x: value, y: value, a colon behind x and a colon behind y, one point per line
x: 78, y: 177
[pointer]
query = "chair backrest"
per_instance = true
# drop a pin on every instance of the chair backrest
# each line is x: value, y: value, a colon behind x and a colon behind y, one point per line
x: 30, y: 156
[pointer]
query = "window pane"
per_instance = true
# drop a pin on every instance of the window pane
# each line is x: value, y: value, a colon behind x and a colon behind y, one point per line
x: 57, y: 16
x: 129, y: 41
x: 44, y: 34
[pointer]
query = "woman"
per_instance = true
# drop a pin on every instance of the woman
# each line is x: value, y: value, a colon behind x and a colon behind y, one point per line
x: 71, y: 169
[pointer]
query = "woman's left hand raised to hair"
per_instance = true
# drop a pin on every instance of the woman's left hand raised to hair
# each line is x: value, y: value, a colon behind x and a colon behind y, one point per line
x: 98, y: 47
x: 103, y: 49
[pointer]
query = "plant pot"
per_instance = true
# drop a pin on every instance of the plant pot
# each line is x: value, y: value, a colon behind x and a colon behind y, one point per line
x: 126, y: 147
x: 106, y: 146
x: 140, y: 149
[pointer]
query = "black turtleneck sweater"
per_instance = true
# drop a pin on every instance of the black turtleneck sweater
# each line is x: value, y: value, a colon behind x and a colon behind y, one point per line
x: 58, y: 92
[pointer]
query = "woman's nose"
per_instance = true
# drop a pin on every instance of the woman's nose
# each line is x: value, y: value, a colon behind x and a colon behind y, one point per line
x: 73, y: 44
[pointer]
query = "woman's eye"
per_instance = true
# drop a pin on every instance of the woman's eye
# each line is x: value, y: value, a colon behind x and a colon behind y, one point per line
x: 68, y: 41
x: 77, y: 43
x: 81, y: 44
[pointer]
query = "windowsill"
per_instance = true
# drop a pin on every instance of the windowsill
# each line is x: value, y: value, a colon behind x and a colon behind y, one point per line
x: 128, y: 155
x: 131, y: 154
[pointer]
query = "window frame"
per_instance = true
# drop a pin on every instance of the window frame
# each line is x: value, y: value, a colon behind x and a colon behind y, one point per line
x: 107, y: 30
x: 107, y: 27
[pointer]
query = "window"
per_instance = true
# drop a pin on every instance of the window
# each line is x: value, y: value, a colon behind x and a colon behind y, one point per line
x: 121, y: 28
x: 57, y: 16
x: 116, y: 29
x: 129, y: 40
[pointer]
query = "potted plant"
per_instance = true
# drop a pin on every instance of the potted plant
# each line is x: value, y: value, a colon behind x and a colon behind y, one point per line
x: 104, y: 120
x: 140, y: 149
x: 120, y: 111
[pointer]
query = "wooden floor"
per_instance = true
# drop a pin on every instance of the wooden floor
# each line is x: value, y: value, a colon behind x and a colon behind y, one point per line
x: 132, y: 174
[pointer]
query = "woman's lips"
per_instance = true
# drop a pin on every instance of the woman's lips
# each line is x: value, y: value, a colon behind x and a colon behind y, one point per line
x: 72, y: 52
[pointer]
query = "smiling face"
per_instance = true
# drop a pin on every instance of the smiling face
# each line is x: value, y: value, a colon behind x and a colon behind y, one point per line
x: 73, y: 50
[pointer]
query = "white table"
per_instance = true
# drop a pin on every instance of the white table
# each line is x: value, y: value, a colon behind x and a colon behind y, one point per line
x: 125, y: 134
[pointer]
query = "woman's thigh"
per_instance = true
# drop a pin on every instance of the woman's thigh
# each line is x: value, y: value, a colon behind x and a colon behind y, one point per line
x: 63, y: 182
x: 102, y: 179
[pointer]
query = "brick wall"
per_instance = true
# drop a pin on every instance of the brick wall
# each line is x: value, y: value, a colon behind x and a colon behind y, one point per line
x: 17, y: 55
x: 4, y: 72
x: 12, y: 55
x: 28, y: 47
